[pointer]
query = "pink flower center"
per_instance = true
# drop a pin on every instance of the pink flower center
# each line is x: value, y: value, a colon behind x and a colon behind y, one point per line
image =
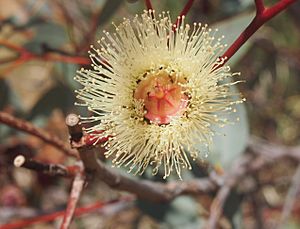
x: 163, y: 97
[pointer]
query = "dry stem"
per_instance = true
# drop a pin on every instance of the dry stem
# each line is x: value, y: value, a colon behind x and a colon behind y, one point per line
x: 27, y: 127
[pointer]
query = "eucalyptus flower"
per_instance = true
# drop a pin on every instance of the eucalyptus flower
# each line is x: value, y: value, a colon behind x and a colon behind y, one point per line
x: 156, y: 90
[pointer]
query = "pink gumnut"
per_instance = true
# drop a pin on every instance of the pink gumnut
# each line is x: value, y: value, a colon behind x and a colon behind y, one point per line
x: 163, y: 98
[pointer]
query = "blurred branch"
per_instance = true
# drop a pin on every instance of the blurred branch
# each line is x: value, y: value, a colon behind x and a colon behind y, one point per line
x: 88, y: 38
x: 290, y: 198
x: 259, y: 154
x: 13, y: 47
x: 159, y: 192
x: 49, y: 169
x: 231, y: 179
x: 294, y: 12
x: 262, y: 16
x: 263, y: 153
x: 257, y: 207
x: 70, y: 21
x: 63, y: 58
x: 77, y: 21
x: 8, y: 60
x: 16, y: 224
x: 24, y: 55
x: 76, y: 190
x: 270, y: 151
x: 152, y: 191
x: 27, y: 127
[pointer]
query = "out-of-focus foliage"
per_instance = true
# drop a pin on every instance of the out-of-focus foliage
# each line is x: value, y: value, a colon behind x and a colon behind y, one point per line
x: 42, y: 91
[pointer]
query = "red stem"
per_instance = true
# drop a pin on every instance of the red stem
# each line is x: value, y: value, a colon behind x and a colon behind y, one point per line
x: 262, y: 16
x: 25, y: 55
x: 50, y: 217
x: 12, y: 46
x: 184, y: 11
x: 65, y: 59
x: 187, y: 7
x: 260, y: 7
x: 148, y: 4
x: 77, y: 187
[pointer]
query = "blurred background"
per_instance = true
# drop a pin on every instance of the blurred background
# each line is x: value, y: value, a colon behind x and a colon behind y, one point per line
x: 43, y: 43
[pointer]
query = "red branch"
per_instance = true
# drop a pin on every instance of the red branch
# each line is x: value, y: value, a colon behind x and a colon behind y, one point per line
x: 25, y: 55
x: 40, y: 133
x: 263, y: 15
x: 184, y: 11
x: 81, y: 60
x: 53, y: 216
x: 260, y: 7
x: 77, y: 187
x: 148, y: 4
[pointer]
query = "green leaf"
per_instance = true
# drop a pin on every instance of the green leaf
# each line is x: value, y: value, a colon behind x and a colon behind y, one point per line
x: 108, y: 10
x: 47, y: 33
x: 174, y: 7
x: 59, y: 96
x: 183, y: 213
x: 4, y: 94
x: 32, y: 22
x: 50, y: 33
x: 179, y: 213
x: 7, y: 97
x: 231, y: 7
x: 231, y: 29
x: 5, y: 131
x: 155, y: 210
x: 233, y: 139
x: 66, y: 73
